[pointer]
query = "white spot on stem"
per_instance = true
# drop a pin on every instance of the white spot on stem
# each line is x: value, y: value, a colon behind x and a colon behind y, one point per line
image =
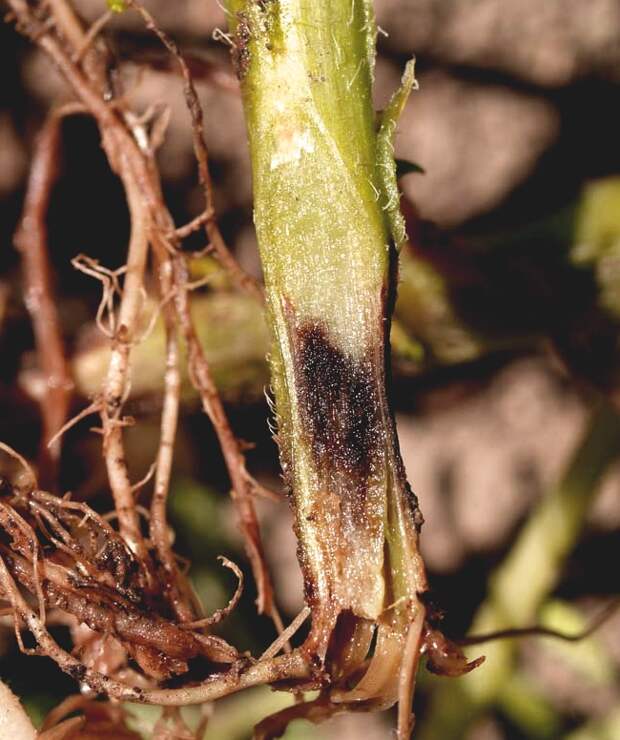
x: 291, y: 145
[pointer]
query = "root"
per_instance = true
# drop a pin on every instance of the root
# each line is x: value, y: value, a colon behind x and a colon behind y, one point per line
x: 221, y: 614
x: 245, y: 281
x: 125, y: 584
x: 31, y: 240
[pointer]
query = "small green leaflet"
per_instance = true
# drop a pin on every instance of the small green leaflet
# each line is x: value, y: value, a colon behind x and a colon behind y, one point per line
x: 386, y: 165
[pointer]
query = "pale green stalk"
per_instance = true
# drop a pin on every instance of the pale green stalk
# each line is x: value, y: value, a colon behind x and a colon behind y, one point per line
x: 328, y: 224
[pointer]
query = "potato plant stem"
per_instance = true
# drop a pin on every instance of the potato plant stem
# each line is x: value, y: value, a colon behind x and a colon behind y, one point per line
x: 328, y: 226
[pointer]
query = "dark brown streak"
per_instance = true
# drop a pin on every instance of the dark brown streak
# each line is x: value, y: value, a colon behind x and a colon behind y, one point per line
x: 340, y: 402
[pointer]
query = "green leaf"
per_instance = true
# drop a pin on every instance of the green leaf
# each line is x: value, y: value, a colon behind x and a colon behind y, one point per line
x: 386, y: 166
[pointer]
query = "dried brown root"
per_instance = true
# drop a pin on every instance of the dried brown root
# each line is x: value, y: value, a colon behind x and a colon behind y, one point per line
x: 242, y: 674
x: 537, y: 631
x: 245, y: 281
x: 31, y: 240
x: 200, y: 373
x: 65, y: 730
x: 284, y: 637
x: 179, y: 591
x: 445, y: 657
x: 126, y: 143
x: 171, y: 726
x: 221, y: 614
x: 316, y: 711
x: 89, y: 572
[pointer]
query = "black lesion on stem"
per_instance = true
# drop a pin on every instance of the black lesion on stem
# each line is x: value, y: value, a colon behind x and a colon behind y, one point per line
x: 341, y: 404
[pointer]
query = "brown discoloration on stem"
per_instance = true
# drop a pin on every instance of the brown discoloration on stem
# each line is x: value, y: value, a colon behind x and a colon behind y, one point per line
x: 340, y: 402
x: 340, y: 452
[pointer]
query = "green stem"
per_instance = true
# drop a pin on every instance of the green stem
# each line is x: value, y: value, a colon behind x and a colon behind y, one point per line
x: 328, y: 225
